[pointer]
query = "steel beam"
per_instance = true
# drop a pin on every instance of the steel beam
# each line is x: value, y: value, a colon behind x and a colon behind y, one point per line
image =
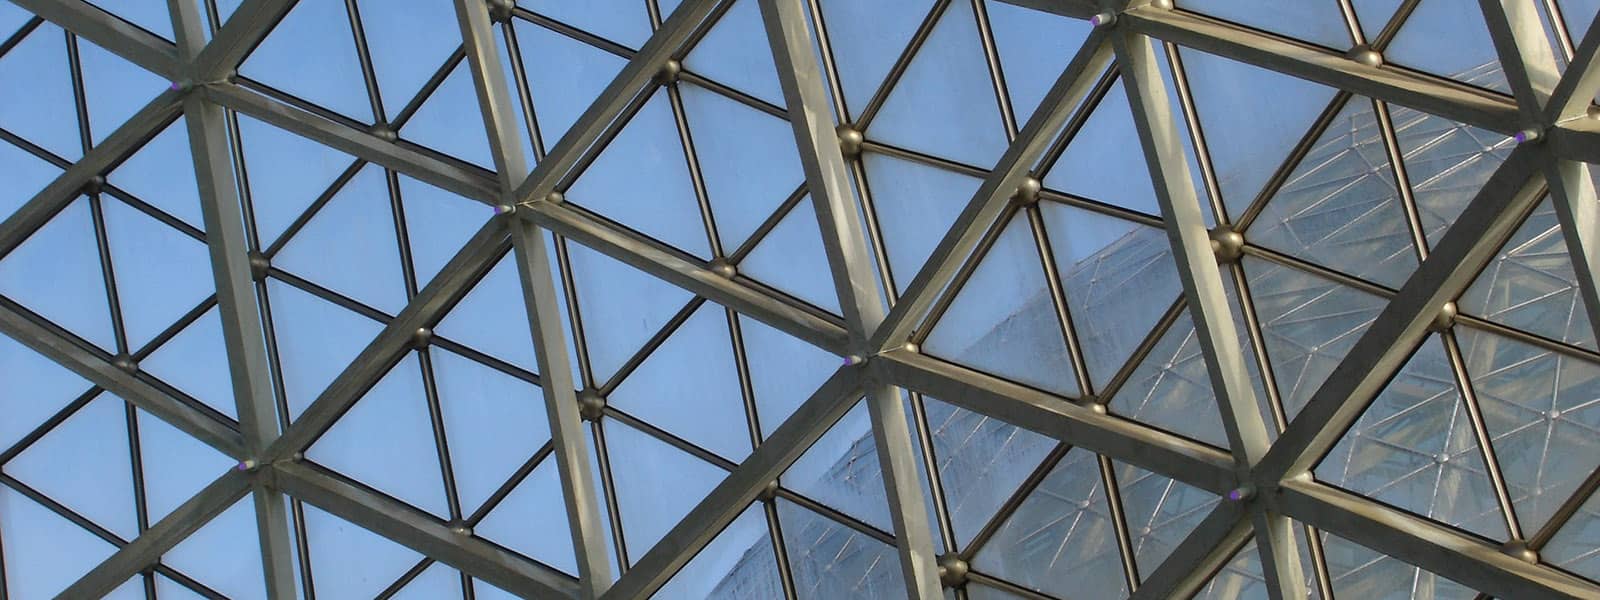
x: 1203, y: 287
x: 250, y: 23
x: 422, y: 532
x: 1463, y: 558
x: 1207, y: 549
x: 1089, y: 428
x: 744, y: 485
x: 237, y: 304
x: 93, y: 366
x: 572, y: 454
x: 1467, y: 246
x: 994, y: 195
x: 108, y: 31
x: 1575, y: 93
x: 146, y: 550
x: 855, y: 281
x: 67, y: 186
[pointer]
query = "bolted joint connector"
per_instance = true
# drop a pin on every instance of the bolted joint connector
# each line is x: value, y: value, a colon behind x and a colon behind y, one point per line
x: 421, y: 338
x: 555, y: 197
x: 1027, y: 191
x: 1445, y: 319
x: 850, y: 140
x: 384, y: 132
x: 853, y: 360
x: 247, y: 465
x: 125, y: 363
x: 953, y: 570
x: 1227, y: 244
x: 1243, y: 493
x: 500, y: 10
x: 504, y: 209
x: 768, y: 492
x: 1520, y: 551
x: 259, y: 265
x: 722, y: 267
x: 1365, y: 55
x: 181, y: 86
x: 1105, y: 19
x: 1528, y: 136
x: 94, y: 185
x: 669, y: 72
x: 590, y: 405
x: 460, y: 528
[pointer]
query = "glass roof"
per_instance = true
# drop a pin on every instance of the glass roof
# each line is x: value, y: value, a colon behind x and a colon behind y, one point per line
x: 804, y: 299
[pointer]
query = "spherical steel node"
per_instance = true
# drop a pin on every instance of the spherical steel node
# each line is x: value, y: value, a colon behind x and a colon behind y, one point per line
x: 126, y: 363
x: 1594, y: 112
x: 953, y: 570
x: 1520, y: 551
x: 1227, y: 244
x: 722, y: 267
x: 555, y: 197
x: 1446, y: 317
x: 1162, y: 4
x: 384, y: 132
x: 850, y: 140
x: 461, y: 529
x: 94, y: 184
x: 259, y: 264
x: 421, y: 337
x: 1441, y: 458
x: 297, y: 457
x: 1097, y: 407
x: 500, y: 10
x: 669, y: 72
x: 1365, y: 55
x: 911, y: 347
x: 1027, y: 191
x: 768, y: 492
x: 590, y: 405
x: 1302, y: 477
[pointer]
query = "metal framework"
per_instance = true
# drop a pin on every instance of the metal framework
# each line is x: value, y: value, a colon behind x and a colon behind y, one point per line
x: 1274, y: 498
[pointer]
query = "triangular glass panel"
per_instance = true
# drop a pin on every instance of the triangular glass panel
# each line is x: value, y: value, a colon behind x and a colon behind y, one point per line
x: 12, y: 18
x: 387, y: 428
x: 1119, y: 279
x: 491, y: 319
x: 348, y: 561
x: 1060, y: 540
x: 944, y: 104
x: 435, y: 582
x: 981, y: 462
x: 161, y: 273
x: 866, y: 38
x: 1447, y: 164
x: 151, y: 15
x: 738, y: 563
x: 320, y: 29
x: 1340, y: 207
x: 493, y: 423
x: 26, y: 175
x: 1003, y: 320
x: 36, y: 91
x: 407, y: 46
x: 349, y: 246
x: 451, y: 121
x: 84, y: 464
x: 841, y: 470
x: 1034, y: 48
x: 161, y: 173
x: 1102, y: 163
x: 784, y: 371
x: 1171, y: 388
x: 224, y: 554
x: 1358, y: 572
x: 1530, y: 285
x: 747, y: 159
x: 655, y: 484
x: 1160, y: 513
x: 1246, y: 152
x: 831, y: 560
x: 196, y: 362
x: 706, y: 409
x: 532, y: 520
x: 1414, y: 448
x: 45, y: 553
x: 38, y: 387
x: 114, y: 89
x: 63, y: 253
x: 175, y: 465
x: 646, y: 155
x: 1444, y: 40
x: 791, y: 258
x: 286, y: 174
x: 1316, y: 22
x: 1541, y: 411
x: 622, y: 21
x: 616, y: 323
x: 915, y: 204
x: 730, y: 54
x: 315, y: 340
x: 564, y: 74
x: 1575, y: 547
x: 1308, y: 323
x: 438, y: 224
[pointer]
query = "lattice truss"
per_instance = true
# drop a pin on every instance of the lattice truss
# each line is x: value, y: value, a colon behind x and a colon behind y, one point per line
x: 799, y: 299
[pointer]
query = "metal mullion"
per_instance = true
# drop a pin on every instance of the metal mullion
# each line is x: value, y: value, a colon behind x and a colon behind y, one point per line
x: 680, y: 119
x: 60, y: 416
x: 405, y: 579
x: 1402, y: 181
x: 1058, y: 301
x: 670, y: 439
x: 575, y: 33
x: 779, y: 550
x: 837, y: 516
x: 330, y: 296
x: 486, y: 360
x: 1564, y: 513
x: 1008, y: 508
x: 753, y: 423
x: 1258, y: 343
x: 874, y: 229
x: 712, y: 85
x: 766, y: 226
x: 1197, y: 137
x: 1574, y: 93
x: 608, y: 495
x: 830, y: 67
x: 80, y: 96
x: 108, y: 274
x: 1119, y: 522
x: 403, y: 116
x: 650, y: 345
x: 923, y: 158
x: 153, y: 212
x: 36, y: 150
x: 1085, y: 107
x: 997, y: 77
x: 108, y: 31
x: 519, y: 74
x: 364, y: 56
x: 1539, y: 341
x: 962, y: 274
x: 1008, y: 587
x: 1481, y: 435
x: 63, y: 511
x: 1558, y: 26
x: 608, y: 133
x: 322, y: 199
x: 919, y: 37
x: 1291, y: 262
x: 249, y: 24
x: 517, y: 477
x: 21, y: 33
x: 930, y: 463
x: 569, y: 291
x: 141, y: 509
x: 1205, y: 551
x: 1142, y: 351
x: 1296, y: 155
